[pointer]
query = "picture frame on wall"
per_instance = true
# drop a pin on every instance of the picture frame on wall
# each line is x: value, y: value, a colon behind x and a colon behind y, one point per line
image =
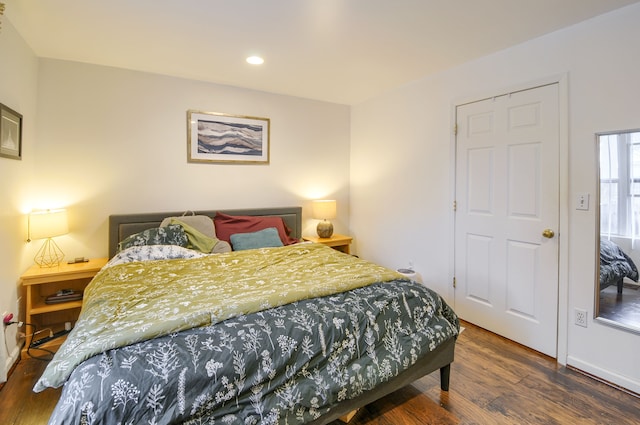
x: 10, y: 133
x: 223, y: 138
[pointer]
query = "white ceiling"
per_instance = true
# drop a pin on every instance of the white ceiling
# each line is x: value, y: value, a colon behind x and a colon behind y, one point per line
x: 343, y: 51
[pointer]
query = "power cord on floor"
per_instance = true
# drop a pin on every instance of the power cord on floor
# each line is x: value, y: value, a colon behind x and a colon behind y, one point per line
x: 30, y: 344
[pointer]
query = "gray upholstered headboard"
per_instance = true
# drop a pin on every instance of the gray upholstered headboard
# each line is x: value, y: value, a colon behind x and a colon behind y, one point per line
x: 123, y: 225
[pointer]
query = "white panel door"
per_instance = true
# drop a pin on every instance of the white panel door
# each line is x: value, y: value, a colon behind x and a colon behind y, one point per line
x: 507, y: 196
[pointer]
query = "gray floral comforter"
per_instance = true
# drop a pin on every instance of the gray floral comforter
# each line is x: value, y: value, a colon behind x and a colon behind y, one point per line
x: 284, y: 365
x: 136, y: 301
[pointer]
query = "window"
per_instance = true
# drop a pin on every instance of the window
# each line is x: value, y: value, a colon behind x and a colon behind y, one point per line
x: 620, y: 184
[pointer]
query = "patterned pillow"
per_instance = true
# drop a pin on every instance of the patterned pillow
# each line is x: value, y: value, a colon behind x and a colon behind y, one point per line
x: 152, y: 252
x: 261, y: 239
x: 173, y: 234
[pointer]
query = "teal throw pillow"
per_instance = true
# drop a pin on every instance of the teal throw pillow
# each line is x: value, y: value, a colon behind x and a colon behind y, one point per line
x: 264, y: 238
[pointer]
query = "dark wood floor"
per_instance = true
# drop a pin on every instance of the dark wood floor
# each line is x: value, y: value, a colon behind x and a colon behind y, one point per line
x: 493, y: 381
x: 621, y: 308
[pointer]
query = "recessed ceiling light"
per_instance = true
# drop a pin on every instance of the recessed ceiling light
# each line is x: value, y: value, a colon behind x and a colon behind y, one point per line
x: 255, y: 60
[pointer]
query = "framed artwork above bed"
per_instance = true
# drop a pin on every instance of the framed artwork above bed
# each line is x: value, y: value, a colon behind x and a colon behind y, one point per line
x: 216, y: 137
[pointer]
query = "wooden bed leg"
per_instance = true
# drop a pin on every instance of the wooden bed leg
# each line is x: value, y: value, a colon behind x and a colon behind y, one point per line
x: 346, y: 418
x: 445, y: 372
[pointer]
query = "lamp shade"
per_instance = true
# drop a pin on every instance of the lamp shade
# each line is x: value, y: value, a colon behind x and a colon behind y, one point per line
x: 48, y: 224
x: 324, y: 209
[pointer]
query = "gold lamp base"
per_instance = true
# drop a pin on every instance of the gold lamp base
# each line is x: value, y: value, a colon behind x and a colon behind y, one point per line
x: 50, y: 255
x: 325, y: 229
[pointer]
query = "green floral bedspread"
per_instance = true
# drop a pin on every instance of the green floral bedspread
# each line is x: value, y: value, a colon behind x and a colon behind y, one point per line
x: 287, y: 365
x: 138, y: 301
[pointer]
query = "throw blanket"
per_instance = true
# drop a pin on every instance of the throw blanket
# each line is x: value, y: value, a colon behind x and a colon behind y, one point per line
x: 138, y: 301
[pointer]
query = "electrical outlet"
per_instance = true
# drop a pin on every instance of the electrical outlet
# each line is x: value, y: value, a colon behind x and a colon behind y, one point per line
x: 581, y: 317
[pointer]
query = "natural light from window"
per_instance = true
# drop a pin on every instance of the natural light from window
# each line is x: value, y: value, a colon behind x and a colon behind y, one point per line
x: 620, y: 184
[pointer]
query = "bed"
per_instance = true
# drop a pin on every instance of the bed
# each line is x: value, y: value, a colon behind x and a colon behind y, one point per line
x: 326, y: 333
x: 615, y: 265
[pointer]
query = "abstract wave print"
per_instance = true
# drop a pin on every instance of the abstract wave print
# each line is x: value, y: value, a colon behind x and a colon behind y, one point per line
x: 215, y: 137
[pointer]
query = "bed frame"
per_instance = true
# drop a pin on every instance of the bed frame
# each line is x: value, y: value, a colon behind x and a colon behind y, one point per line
x: 123, y: 225
x: 441, y: 358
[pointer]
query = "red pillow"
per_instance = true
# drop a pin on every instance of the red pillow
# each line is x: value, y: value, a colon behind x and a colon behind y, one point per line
x: 227, y: 225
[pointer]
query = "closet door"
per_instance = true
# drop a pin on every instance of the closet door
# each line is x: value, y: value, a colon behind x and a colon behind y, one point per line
x: 507, y: 216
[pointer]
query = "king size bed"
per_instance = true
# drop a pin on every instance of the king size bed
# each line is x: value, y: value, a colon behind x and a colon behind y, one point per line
x: 245, y: 327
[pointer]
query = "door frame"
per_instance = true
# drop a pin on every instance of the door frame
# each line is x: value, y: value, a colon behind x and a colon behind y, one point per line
x: 563, y: 250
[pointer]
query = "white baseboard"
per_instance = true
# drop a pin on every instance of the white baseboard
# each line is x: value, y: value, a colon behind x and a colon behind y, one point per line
x: 12, y: 358
x: 604, y: 375
x: 9, y: 358
x: 4, y: 359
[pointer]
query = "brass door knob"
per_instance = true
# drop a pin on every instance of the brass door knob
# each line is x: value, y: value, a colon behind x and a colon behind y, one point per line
x: 548, y: 233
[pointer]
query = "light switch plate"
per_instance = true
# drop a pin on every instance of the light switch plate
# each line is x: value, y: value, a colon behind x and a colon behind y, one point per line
x: 582, y: 201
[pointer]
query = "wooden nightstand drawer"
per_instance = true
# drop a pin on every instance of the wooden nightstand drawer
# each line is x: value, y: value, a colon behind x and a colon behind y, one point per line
x: 341, y: 243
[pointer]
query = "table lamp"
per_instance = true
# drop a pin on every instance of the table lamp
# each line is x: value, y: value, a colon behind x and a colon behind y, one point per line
x: 48, y: 224
x: 324, y: 210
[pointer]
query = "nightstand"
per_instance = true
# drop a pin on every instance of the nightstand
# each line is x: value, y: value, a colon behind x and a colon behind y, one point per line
x: 339, y: 242
x: 41, y: 282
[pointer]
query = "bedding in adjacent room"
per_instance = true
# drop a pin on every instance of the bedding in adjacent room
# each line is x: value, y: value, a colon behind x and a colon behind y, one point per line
x: 615, y: 265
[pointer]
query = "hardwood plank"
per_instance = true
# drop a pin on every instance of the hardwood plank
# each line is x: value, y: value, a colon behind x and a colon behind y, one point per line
x: 493, y: 381
x: 496, y: 381
x: 19, y: 405
x: 407, y: 406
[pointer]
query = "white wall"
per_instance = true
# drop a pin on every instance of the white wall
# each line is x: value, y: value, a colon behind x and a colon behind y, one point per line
x: 401, y: 209
x: 115, y: 141
x: 18, y: 81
